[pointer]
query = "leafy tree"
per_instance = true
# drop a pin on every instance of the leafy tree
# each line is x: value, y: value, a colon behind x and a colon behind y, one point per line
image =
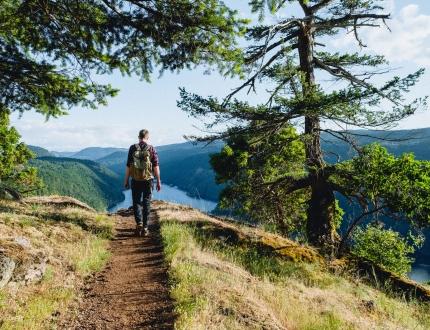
x: 386, y: 248
x: 287, y: 57
x: 248, y: 164
x: 397, y: 187
x: 15, y: 176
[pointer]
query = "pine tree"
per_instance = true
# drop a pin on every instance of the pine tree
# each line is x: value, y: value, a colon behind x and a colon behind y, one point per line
x: 286, y: 57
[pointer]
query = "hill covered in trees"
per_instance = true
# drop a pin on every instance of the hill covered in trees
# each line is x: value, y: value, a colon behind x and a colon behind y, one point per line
x: 186, y: 165
x: 40, y: 152
x: 85, y: 180
x: 94, y: 153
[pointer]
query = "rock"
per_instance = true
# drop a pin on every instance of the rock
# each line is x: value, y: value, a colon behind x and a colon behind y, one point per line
x: 35, y: 272
x: 22, y: 241
x: 7, y: 265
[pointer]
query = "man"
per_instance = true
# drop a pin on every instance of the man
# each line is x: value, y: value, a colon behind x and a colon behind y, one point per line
x: 142, y: 164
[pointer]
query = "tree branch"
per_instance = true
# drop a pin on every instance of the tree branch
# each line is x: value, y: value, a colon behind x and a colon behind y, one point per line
x: 319, y: 5
x: 349, y: 19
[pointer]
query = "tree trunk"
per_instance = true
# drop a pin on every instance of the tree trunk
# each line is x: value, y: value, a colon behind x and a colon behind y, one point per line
x: 321, y: 210
x: 321, y: 229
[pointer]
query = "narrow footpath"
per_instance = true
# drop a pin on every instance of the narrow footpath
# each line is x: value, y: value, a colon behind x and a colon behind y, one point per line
x: 132, y: 291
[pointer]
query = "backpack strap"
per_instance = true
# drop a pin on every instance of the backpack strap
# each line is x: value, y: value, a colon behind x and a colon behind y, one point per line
x: 137, y: 145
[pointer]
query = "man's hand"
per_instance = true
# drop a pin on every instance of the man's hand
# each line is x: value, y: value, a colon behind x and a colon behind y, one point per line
x: 126, y: 184
x: 158, y: 185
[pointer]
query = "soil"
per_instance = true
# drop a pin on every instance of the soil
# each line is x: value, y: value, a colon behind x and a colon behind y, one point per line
x: 132, y: 291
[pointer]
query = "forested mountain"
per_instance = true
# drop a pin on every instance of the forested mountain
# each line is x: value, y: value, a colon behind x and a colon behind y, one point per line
x: 397, y: 142
x: 85, y: 180
x: 94, y: 153
x: 40, y: 152
x: 115, y: 161
x: 186, y: 165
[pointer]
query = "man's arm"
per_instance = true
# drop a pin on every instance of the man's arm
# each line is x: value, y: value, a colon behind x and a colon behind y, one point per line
x: 127, y: 170
x: 156, y: 167
x: 127, y: 177
x: 157, y: 176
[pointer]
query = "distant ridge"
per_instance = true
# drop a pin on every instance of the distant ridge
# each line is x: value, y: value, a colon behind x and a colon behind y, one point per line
x: 94, y: 153
x: 40, y: 152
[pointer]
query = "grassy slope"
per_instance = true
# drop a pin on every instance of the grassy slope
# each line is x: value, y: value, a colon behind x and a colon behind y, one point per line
x: 85, y: 180
x: 221, y: 283
x: 74, y: 241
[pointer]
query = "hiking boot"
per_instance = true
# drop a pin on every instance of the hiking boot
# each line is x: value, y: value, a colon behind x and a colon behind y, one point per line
x: 139, y: 230
x: 146, y: 231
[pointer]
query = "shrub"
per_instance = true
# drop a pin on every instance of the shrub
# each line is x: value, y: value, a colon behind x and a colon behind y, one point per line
x: 386, y: 247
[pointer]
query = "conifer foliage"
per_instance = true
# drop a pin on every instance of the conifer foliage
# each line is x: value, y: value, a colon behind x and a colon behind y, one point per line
x: 290, y: 59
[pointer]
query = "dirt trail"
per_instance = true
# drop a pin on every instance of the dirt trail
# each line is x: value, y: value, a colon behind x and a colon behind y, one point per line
x: 132, y: 291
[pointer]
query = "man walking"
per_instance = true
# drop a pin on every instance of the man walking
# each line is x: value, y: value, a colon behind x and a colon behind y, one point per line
x: 142, y: 164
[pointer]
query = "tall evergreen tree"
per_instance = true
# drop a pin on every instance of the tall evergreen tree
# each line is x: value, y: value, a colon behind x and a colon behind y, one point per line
x: 287, y: 57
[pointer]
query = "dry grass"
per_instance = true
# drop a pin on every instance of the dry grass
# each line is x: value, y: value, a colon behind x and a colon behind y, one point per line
x: 224, y: 284
x: 73, y: 242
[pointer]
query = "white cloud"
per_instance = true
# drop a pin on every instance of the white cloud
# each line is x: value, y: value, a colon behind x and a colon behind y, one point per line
x: 58, y: 135
x: 408, y: 41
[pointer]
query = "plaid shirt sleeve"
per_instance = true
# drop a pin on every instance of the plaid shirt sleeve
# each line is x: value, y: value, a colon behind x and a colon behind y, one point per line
x: 154, y: 157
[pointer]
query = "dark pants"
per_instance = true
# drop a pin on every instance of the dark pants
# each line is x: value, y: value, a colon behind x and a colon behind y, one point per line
x: 141, y: 195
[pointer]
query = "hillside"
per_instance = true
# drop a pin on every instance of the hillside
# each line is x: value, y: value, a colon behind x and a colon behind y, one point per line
x: 225, y: 276
x: 48, y: 247
x: 40, y: 152
x: 93, y: 153
x: 85, y: 180
x: 216, y: 274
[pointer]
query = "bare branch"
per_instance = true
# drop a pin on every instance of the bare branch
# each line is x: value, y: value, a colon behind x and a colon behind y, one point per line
x: 338, y: 71
x: 251, y: 81
x: 355, y: 223
x: 264, y: 49
x: 348, y: 20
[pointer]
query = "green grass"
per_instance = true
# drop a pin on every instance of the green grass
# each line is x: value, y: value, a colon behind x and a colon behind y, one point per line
x: 35, y: 312
x: 74, y: 239
x: 210, y: 295
x: 90, y: 255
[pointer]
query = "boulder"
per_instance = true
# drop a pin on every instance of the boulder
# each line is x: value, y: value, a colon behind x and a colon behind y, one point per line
x: 35, y: 272
x: 7, y: 265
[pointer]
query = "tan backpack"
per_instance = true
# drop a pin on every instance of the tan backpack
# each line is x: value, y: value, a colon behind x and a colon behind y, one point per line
x: 141, y: 168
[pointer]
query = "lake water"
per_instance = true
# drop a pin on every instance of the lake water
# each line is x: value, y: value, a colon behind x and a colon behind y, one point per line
x: 170, y: 194
x: 419, y: 273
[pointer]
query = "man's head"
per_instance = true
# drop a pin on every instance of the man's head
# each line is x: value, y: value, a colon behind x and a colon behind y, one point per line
x: 143, y: 134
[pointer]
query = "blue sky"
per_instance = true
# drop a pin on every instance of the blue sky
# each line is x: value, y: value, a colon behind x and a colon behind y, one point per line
x: 153, y: 106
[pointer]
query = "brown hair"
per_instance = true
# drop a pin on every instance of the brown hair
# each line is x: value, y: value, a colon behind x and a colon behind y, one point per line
x: 143, y: 133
